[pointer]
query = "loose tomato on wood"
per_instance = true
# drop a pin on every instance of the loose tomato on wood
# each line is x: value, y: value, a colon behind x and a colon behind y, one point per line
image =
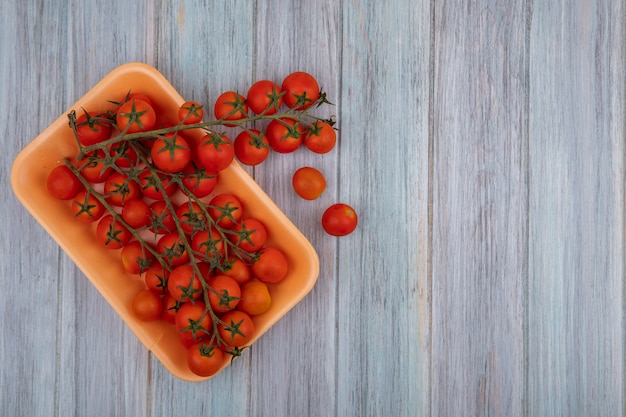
x: 308, y: 183
x: 339, y: 220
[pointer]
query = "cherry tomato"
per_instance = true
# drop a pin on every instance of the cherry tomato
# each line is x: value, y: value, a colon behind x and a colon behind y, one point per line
x: 271, y: 265
x: 123, y: 154
x: 170, y: 308
x: 151, y: 185
x: 190, y: 112
x: 226, y: 210
x: 301, y: 90
x: 118, y: 188
x: 236, y: 328
x: 224, y: 293
x: 111, y: 233
x: 214, y: 152
x: 204, y: 359
x: 249, y: 235
x: 135, y: 258
x: 193, y: 322
x: 321, y: 138
x: 155, y: 278
x: 237, y: 269
x: 251, y: 147
x: 184, y: 284
x: 140, y: 96
x: 172, y: 248
x: 92, y: 128
x: 339, y: 220
x: 208, y: 245
x: 255, y: 298
x: 191, y: 217
x: 136, y: 213
x: 198, y: 181
x: 308, y: 183
x: 170, y: 153
x: 135, y: 116
x: 86, y: 207
x: 264, y: 97
x: 93, y: 167
x: 161, y: 220
x: 147, y: 306
x: 230, y: 106
x: 62, y: 183
x: 285, y: 135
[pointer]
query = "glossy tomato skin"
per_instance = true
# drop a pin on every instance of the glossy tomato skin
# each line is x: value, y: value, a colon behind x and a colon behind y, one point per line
x: 208, y: 245
x: 135, y: 116
x: 198, y: 181
x: 161, y: 220
x: 271, y: 265
x: 339, y: 220
x: 237, y: 269
x: 86, y: 207
x: 236, y: 328
x: 230, y: 105
x: 204, y: 359
x: 191, y: 217
x: 308, y: 183
x: 214, y: 152
x: 62, y: 183
x: 190, y: 112
x: 249, y: 235
x: 111, y: 233
x: 92, y: 128
x: 251, y: 147
x: 255, y: 298
x: 118, y: 188
x: 226, y: 210
x: 155, y: 278
x: 301, y: 90
x: 136, y: 213
x: 135, y: 258
x: 224, y: 293
x: 151, y: 185
x: 184, y: 284
x: 93, y: 169
x: 172, y: 248
x: 171, y: 153
x: 147, y: 306
x: 285, y: 135
x: 193, y: 322
x: 321, y: 138
x: 124, y: 154
x: 264, y: 97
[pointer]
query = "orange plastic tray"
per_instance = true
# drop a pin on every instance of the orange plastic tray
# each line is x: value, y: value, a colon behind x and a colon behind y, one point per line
x: 102, y: 266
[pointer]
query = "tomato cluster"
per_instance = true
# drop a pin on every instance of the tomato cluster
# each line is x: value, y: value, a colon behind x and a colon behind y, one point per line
x: 147, y: 182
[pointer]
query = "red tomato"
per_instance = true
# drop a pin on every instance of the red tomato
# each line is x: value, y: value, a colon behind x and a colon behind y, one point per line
x: 285, y: 135
x: 214, y: 152
x: 226, y: 210
x: 251, y: 147
x: 224, y: 293
x: 204, y: 359
x: 111, y: 233
x: 92, y: 128
x: 236, y: 328
x: 237, y: 269
x: 62, y: 183
x: 190, y: 112
x: 270, y: 266
x: 118, y: 188
x: 208, y: 245
x: 172, y: 248
x: 170, y: 308
x: 171, y: 153
x: 93, y: 168
x: 123, y: 154
x: 155, y: 278
x: 140, y: 96
x: 184, y: 284
x: 198, y: 181
x: 191, y: 217
x: 255, y: 298
x: 339, y: 220
x: 136, y: 213
x: 264, y: 97
x: 308, y: 183
x: 193, y: 322
x: 230, y: 106
x: 321, y: 138
x: 136, y: 258
x: 147, y: 306
x: 86, y: 207
x: 135, y: 116
x: 249, y: 235
x: 151, y: 185
x: 161, y: 220
x: 301, y: 90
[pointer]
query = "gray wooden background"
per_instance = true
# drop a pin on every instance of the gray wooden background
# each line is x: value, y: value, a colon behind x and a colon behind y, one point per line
x: 483, y: 145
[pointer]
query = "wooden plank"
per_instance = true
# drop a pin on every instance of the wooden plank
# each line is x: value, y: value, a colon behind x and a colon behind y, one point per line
x: 576, y: 233
x: 479, y: 208
x: 204, y: 49
x: 382, y: 333
x: 296, y: 360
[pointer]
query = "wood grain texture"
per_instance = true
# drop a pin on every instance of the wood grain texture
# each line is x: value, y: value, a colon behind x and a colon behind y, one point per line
x: 479, y: 208
x: 482, y: 144
x: 576, y: 227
